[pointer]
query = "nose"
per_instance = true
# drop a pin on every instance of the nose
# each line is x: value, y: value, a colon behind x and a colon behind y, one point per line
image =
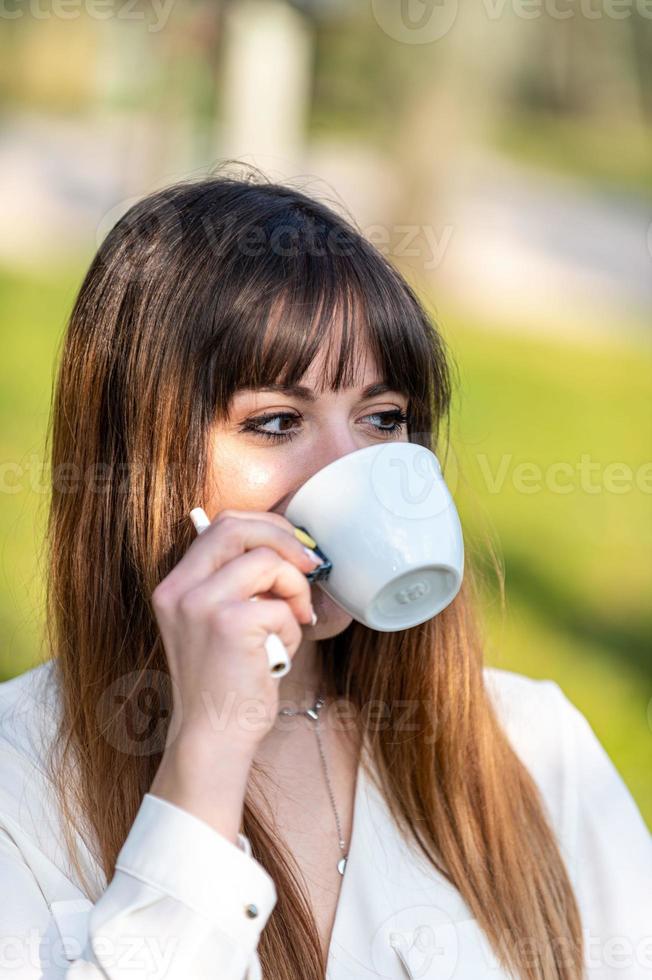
x: 337, y: 443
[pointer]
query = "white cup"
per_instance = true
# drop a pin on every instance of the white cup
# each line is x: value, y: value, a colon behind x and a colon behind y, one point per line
x: 385, y: 518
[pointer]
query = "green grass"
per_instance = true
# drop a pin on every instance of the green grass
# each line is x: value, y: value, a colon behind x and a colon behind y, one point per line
x: 615, y: 702
x: 578, y: 575
x: 32, y: 312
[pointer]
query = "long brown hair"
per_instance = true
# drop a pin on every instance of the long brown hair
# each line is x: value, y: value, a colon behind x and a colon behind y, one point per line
x: 172, y: 317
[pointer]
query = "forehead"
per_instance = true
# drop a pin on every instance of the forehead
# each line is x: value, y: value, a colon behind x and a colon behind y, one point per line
x: 328, y: 338
x: 312, y: 386
x: 366, y: 369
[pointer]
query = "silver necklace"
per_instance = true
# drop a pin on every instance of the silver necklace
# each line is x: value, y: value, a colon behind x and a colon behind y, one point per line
x: 313, y: 714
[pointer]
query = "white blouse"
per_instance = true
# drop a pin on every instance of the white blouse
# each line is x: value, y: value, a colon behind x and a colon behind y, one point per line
x: 185, y: 903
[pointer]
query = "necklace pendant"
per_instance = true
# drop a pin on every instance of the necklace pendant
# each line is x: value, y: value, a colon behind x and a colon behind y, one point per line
x: 341, y: 865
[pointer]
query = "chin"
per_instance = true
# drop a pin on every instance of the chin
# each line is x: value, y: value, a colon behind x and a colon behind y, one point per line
x: 331, y: 618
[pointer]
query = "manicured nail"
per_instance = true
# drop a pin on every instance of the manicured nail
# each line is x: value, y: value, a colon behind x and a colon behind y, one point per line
x: 315, y: 558
x: 304, y: 538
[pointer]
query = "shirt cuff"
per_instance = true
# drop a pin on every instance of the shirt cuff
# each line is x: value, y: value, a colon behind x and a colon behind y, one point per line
x: 173, y: 850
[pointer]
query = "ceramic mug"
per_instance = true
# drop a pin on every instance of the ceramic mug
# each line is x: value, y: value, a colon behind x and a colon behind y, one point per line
x: 386, y: 520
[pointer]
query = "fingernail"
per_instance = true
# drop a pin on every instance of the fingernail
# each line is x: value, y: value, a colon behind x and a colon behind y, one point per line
x: 304, y: 537
x: 314, y: 618
x: 311, y: 554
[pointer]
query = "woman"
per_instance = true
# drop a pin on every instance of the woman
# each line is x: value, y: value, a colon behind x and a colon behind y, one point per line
x: 205, y: 834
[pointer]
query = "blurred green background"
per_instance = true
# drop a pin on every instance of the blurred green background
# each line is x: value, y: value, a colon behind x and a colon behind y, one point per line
x: 514, y: 190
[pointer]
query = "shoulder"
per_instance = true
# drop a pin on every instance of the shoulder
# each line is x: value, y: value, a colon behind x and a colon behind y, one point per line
x: 534, y: 713
x: 537, y: 718
x: 28, y: 714
x: 30, y: 817
x: 515, y: 694
x: 28, y: 711
x: 589, y: 804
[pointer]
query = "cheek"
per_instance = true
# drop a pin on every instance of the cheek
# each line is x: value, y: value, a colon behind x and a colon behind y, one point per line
x: 247, y: 490
x: 240, y: 482
x: 327, y: 609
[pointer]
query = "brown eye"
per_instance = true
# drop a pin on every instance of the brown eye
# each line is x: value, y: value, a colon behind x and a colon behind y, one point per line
x: 254, y: 425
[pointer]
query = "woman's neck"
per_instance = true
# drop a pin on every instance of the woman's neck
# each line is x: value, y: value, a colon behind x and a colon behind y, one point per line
x: 301, y: 685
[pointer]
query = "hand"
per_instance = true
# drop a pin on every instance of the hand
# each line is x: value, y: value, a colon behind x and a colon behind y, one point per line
x: 214, y: 636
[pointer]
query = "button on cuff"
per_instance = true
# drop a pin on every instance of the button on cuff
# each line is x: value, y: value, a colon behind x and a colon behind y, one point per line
x: 183, y: 856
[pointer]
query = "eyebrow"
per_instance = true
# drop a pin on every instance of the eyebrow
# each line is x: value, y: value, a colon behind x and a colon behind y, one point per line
x: 308, y: 395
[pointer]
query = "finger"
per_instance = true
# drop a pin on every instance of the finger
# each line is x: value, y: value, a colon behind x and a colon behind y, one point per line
x: 279, y: 519
x: 269, y: 617
x: 270, y: 595
x: 257, y: 571
x: 230, y: 537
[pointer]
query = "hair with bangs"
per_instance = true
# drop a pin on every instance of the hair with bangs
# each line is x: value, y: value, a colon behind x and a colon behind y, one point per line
x: 200, y: 289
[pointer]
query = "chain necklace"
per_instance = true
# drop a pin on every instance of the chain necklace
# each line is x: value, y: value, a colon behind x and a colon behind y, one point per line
x: 313, y: 714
